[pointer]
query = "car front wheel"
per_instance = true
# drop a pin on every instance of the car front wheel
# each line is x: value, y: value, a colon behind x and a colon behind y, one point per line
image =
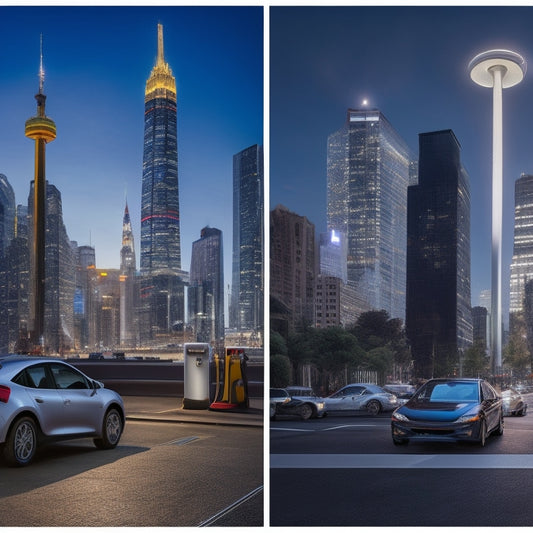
x: 21, y: 442
x: 111, y: 430
x: 373, y: 407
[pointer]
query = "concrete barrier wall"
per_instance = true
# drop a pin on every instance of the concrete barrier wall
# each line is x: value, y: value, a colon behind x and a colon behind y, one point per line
x: 153, y: 378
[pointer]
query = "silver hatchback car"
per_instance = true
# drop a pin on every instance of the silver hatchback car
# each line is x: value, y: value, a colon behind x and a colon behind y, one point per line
x: 47, y: 399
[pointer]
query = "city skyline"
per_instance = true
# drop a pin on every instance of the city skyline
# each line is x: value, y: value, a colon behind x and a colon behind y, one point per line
x: 96, y: 63
x: 411, y: 64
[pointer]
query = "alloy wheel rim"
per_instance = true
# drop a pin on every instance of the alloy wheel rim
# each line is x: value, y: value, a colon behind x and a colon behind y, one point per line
x: 113, y: 427
x: 24, y: 441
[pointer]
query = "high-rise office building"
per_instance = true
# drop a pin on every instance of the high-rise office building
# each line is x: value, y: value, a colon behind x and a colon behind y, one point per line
x: 293, y: 270
x: 128, y: 303
x: 160, y: 214
x: 438, y: 312
x: 246, y: 309
x: 206, y: 287
x: 368, y: 174
x: 333, y: 247
x: 85, y: 260
x: 161, y: 311
x: 522, y: 263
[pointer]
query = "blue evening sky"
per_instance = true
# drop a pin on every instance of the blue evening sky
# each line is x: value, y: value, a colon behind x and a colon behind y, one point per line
x: 411, y: 63
x: 96, y: 62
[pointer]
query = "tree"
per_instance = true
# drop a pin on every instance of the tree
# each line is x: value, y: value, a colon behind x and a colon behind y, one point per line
x: 280, y: 371
x: 516, y: 353
x: 475, y: 361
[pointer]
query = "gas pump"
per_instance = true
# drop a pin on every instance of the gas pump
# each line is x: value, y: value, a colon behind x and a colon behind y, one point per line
x: 234, y: 393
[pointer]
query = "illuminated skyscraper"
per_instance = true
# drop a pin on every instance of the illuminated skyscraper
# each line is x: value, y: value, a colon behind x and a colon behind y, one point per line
x: 522, y: 264
x: 248, y: 241
x: 160, y: 217
x: 368, y: 174
x: 127, y: 283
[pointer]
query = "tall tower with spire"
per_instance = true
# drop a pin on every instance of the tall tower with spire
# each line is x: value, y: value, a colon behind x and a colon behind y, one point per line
x: 127, y: 283
x: 162, y: 286
x: 42, y: 130
x: 160, y: 218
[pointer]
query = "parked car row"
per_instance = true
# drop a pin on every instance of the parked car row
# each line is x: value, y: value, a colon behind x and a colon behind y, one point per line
x: 445, y: 409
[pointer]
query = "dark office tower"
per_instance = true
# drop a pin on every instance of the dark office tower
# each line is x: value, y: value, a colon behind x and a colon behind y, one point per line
x: 248, y: 241
x: 438, y: 312
x: 522, y: 264
x: 368, y: 174
x: 292, y: 270
x: 206, y: 287
x: 480, y: 326
x: 160, y: 218
x: 7, y: 231
x: 128, y: 303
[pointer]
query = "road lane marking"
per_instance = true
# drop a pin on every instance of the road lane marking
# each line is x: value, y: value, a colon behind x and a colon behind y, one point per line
x: 326, y: 429
x: 406, y: 461
x: 234, y: 505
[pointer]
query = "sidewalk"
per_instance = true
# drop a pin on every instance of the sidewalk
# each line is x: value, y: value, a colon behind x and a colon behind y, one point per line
x: 169, y: 409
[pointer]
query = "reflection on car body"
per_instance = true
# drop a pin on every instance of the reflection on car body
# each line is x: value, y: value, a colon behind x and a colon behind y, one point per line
x: 281, y: 403
x: 48, y: 399
x: 449, y: 410
x: 361, y: 397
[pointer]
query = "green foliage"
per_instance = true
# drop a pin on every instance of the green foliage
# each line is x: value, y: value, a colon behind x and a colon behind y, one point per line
x: 280, y: 371
x: 278, y: 345
x: 516, y: 353
x: 475, y: 362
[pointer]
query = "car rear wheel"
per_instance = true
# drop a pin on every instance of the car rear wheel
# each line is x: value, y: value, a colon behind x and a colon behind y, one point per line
x: 400, y: 442
x: 373, y: 407
x: 111, y: 430
x: 21, y: 442
x: 306, y: 411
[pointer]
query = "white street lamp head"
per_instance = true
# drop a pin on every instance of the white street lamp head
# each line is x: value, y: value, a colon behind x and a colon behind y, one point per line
x: 513, y: 72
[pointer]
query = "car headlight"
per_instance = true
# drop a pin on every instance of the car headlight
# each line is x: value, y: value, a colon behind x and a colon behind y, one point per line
x: 470, y: 416
x: 320, y: 405
x: 399, y: 417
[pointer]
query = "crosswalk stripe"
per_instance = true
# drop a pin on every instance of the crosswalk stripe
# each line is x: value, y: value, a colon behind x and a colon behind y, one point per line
x: 407, y: 461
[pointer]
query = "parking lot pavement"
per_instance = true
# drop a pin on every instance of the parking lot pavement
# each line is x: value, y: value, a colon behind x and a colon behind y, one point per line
x: 170, y: 409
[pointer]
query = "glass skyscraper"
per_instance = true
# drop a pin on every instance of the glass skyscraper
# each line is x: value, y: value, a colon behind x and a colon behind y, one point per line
x: 522, y: 263
x: 160, y: 217
x: 368, y: 174
x: 247, y: 274
x: 438, y: 312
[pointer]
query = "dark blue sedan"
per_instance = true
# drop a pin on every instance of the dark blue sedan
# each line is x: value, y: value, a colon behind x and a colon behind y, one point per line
x: 449, y: 410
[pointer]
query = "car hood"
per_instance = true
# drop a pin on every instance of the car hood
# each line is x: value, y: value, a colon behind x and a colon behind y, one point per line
x: 435, y: 411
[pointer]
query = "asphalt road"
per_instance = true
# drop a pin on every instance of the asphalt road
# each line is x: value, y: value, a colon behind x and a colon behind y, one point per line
x: 161, y: 474
x: 345, y: 471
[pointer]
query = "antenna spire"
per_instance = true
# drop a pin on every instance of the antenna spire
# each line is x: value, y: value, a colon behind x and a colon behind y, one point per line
x: 41, y: 69
x: 160, y: 49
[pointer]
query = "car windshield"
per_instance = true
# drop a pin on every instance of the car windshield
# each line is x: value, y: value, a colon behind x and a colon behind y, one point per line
x: 449, y: 391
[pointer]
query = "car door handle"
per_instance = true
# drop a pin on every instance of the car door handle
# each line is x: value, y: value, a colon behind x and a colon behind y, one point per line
x: 66, y: 401
x: 39, y: 400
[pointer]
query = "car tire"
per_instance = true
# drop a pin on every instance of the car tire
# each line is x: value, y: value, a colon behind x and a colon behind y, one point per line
x: 21, y: 442
x: 373, y: 407
x: 112, y: 428
x: 400, y: 442
x: 305, y: 411
x: 499, y: 429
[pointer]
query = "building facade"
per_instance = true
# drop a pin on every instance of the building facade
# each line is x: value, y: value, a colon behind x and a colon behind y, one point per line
x: 247, y: 297
x: 522, y: 262
x: 438, y: 312
x: 128, y: 285
x: 293, y: 269
x: 368, y: 171
x: 206, y: 287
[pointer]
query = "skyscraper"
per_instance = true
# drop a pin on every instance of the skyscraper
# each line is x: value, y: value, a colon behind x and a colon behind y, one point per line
x: 206, y: 286
x: 248, y: 240
x: 522, y: 263
x: 368, y: 175
x: 161, y: 312
x: 160, y: 214
x: 293, y: 270
x: 128, y: 303
x: 438, y: 313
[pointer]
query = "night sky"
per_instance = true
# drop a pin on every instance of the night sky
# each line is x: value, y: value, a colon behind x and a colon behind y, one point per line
x: 96, y: 62
x: 411, y: 63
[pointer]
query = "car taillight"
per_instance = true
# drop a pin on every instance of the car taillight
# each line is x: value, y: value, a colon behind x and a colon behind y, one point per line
x: 4, y: 393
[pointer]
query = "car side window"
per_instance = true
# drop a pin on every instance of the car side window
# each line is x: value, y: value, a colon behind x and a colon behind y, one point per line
x: 68, y: 378
x: 487, y: 392
x: 34, y: 377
